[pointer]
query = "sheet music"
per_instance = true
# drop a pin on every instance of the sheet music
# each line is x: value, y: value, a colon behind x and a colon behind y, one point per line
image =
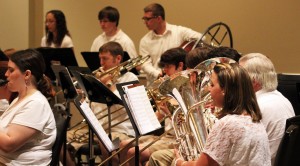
x: 97, y: 126
x: 141, y: 109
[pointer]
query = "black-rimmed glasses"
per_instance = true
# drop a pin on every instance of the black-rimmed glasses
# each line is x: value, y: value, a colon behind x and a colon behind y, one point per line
x: 148, y: 18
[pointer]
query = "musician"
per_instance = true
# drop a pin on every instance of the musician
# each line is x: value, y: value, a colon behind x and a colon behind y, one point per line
x: 161, y: 37
x: 109, y: 20
x: 28, y: 128
x: 274, y: 106
x: 197, y: 55
x: 110, y: 55
x: 172, y: 61
x: 238, y: 138
x: 193, y: 58
x: 224, y: 51
x: 57, y: 33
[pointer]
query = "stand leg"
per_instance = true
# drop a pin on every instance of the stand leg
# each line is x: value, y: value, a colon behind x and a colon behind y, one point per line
x: 137, y: 153
x: 91, y: 148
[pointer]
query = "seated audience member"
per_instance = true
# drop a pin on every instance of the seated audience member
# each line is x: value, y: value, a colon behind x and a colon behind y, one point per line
x: 28, y: 128
x: 275, y: 108
x: 238, y: 138
x: 57, y: 34
x: 110, y: 54
x: 109, y: 20
x: 171, y: 62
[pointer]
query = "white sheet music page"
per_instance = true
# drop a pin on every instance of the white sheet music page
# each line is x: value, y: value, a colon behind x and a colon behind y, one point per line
x: 97, y: 126
x: 141, y: 109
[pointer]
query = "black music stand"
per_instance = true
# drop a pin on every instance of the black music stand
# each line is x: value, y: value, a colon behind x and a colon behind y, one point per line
x: 3, y: 57
x: 58, y: 56
x: 69, y: 92
x: 131, y: 118
x: 97, y: 92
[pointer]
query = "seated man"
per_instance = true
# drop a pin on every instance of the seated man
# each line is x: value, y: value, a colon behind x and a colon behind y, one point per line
x: 111, y: 55
x: 275, y: 108
x: 172, y: 61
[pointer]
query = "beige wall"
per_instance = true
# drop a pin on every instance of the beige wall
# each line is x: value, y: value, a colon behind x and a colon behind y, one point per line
x: 14, y: 28
x: 270, y: 27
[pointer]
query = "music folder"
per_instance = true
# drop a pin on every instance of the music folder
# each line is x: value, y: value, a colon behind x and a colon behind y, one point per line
x: 138, y: 107
x: 57, y: 56
x: 95, y: 125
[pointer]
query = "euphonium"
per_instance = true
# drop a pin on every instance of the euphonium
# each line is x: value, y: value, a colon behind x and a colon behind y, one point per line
x: 193, y: 120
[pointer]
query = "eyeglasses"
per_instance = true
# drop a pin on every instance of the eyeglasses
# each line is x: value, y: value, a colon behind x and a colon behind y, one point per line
x: 49, y: 21
x: 148, y: 18
x: 104, y: 21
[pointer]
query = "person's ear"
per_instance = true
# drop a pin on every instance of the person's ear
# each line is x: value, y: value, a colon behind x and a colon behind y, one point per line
x: 27, y: 74
x: 180, y: 65
x: 119, y: 58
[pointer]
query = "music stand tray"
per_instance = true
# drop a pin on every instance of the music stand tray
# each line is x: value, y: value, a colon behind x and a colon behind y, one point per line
x: 98, y: 92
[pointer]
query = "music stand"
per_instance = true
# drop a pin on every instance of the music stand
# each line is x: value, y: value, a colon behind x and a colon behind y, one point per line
x: 97, y: 92
x: 69, y: 91
x: 3, y: 57
x: 95, y: 127
x: 58, y: 56
x: 130, y: 115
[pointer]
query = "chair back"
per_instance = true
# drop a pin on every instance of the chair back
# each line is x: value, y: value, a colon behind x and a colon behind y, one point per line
x: 289, y: 148
x: 62, y: 119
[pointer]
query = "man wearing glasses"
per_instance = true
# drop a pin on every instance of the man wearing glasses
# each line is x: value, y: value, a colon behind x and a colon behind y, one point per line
x: 161, y: 37
x: 109, y: 21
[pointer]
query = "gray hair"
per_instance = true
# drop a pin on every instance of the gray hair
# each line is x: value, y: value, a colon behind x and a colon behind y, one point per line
x: 261, y: 69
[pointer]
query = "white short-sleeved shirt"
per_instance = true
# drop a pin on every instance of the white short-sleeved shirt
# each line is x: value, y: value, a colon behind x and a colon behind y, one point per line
x: 236, y: 140
x: 275, y: 109
x: 3, y: 105
x: 120, y: 115
x: 66, y: 43
x: 120, y: 37
x: 34, y: 112
x: 155, y: 45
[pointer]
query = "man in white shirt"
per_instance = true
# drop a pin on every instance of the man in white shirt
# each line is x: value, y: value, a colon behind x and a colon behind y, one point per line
x: 110, y: 55
x: 109, y: 21
x: 275, y: 108
x: 161, y: 37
